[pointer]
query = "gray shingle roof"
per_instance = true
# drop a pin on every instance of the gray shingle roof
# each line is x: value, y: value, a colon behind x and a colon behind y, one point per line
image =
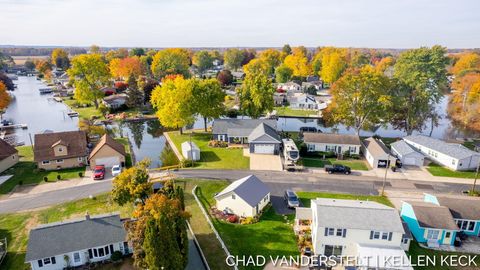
x: 376, y: 147
x: 431, y: 215
x: 58, y: 238
x: 454, y: 150
x: 264, y: 133
x: 311, y: 137
x: 462, y: 208
x: 352, y: 214
x: 251, y: 189
x: 239, y: 127
x: 402, y: 148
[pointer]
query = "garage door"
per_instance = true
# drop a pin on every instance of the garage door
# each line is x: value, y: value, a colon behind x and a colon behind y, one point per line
x: 108, y: 161
x: 409, y: 161
x: 264, y: 148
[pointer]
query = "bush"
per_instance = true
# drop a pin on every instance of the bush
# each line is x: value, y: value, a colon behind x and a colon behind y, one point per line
x: 45, y: 179
x: 248, y: 220
x: 215, y: 143
x: 80, y: 174
x: 20, y: 182
x: 59, y: 177
x: 116, y: 256
x: 232, y: 113
x: 232, y: 219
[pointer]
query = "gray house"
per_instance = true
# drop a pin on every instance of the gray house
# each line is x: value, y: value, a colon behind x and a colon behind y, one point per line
x: 406, y: 154
x: 73, y: 243
x: 264, y: 140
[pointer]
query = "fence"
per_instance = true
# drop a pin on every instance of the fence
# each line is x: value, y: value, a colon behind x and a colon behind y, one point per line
x: 207, y: 217
x: 205, y: 262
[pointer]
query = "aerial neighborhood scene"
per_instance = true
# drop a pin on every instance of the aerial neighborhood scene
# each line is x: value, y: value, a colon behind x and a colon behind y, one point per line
x: 239, y: 135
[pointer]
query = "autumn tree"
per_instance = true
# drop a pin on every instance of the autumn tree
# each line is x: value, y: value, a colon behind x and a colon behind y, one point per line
x: 7, y: 81
x: 283, y: 74
x: 256, y: 92
x: 94, y: 49
x: 208, y: 99
x: 203, y: 60
x: 248, y: 55
x: 132, y: 184
x: 170, y: 62
x: 333, y: 63
x: 360, y: 98
x: 272, y: 58
x: 148, y: 88
x: 89, y: 74
x: 124, y: 67
x: 29, y: 64
x: 4, y: 99
x: 384, y: 64
x: 466, y: 62
x: 135, y: 96
x: 420, y: 75
x: 225, y: 77
x: 233, y: 58
x: 60, y: 58
x: 173, y: 102
x: 298, y: 63
x: 286, y: 49
x: 43, y: 67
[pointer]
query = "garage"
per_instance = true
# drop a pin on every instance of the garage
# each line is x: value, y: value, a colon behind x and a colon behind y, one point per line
x: 406, y: 154
x: 264, y: 149
x: 108, y: 161
x: 409, y: 161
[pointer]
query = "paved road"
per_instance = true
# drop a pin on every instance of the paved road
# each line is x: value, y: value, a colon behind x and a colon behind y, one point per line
x: 278, y: 182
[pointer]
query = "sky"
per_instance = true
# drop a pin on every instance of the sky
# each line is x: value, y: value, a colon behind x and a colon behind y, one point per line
x: 241, y: 23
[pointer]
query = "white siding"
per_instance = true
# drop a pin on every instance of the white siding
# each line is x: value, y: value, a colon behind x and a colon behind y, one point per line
x: 315, y: 147
x: 238, y: 206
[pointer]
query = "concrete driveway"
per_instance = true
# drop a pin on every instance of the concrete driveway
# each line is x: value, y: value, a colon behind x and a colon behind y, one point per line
x: 259, y: 162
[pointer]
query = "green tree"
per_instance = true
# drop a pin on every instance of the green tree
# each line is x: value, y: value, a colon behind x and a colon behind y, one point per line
x: 208, y: 98
x: 420, y: 77
x: 286, y: 49
x: 137, y: 52
x: 135, y: 96
x: 283, y: 74
x: 272, y: 58
x: 170, y: 62
x: 233, y: 58
x: 360, y: 98
x: 94, y: 49
x: 60, y: 58
x: 256, y: 92
x: 173, y: 102
x: 29, y: 64
x: 89, y: 74
x: 203, y: 60
x: 132, y: 184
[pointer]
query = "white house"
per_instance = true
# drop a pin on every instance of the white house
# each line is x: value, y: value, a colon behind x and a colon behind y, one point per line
x: 115, y: 101
x: 190, y: 151
x: 376, y: 153
x: 329, y: 142
x: 355, y: 228
x: 73, y: 243
x: 245, y: 197
x: 451, y: 155
x: 290, y: 87
x: 406, y: 154
x: 300, y: 101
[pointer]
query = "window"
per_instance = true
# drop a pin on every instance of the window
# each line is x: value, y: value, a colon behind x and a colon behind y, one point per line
x: 76, y: 257
x: 46, y: 162
x: 101, y: 252
x: 376, y: 235
x: 466, y: 225
x: 447, y: 234
x: 233, y: 196
x: 405, y: 241
x: 433, y: 234
x: 330, y: 148
x: 60, y: 149
x: 59, y: 160
x: 311, y: 147
x: 47, y: 261
x: 80, y: 159
x: 352, y: 149
x: 339, y: 232
x: 331, y: 231
x: 384, y: 236
x: 453, y: 161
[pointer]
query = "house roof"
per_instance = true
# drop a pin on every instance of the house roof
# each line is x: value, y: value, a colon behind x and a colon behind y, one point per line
x: 58, y: 238
x: 303, y: 213
x: 313, y: 137
x: 239, y: 127
x: 431, y: 215
x: 6, y: 150
x: 353, y: 214
x: 115, y: 97
x: 454, y: 150
x: 75, y: 141
x: 107, y: 140
x: 462, y: 207
x: 251, y: 189
x: 408, y: 233
x: 264, y: 133
x: 376, y: 147
x: 402, y: 148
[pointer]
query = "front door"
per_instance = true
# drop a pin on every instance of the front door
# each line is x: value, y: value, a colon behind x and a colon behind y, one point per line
x: 339, y: 149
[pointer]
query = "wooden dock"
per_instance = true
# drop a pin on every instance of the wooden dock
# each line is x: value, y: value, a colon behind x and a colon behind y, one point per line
x: 22, y: 126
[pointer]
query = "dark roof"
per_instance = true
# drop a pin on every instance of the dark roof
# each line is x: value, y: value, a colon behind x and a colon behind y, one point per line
x: 239, y: 127
x: 376, y: 147
x: 6, y: 150
x: 58, y: 238
x: 331, y: 138
x: 264, y: 133
x: 107, y: 140
x: 75, y: 141
x: 251, y: 189
x: 408, y: 233
x: 462, y: 208
x: 431, y: 215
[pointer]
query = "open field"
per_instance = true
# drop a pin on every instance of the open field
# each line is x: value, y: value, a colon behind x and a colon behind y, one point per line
x: 20, y: 60
x: 287, y: 111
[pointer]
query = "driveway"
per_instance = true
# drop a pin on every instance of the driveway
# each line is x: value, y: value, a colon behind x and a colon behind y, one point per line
x: 259, y: 162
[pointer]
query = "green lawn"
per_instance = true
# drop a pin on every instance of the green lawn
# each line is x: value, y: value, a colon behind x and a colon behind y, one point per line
x: 83, y: 112
x: 212, y: 157
x: 272, y: 235
x: 319, y: 163
x: 438, y: 170
x: 415, y: 251
x: 305, y: 197
x: 24, y: 172
x: 287, y: 111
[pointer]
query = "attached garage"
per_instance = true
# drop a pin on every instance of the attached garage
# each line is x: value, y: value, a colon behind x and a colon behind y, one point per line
x: 264, y: 149
x: 107, y: 152
x: 406, y: 154
x: 108, y: 161
x: 264, y: 140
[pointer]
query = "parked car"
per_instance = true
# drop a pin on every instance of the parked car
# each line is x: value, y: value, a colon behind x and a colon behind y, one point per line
x: 337, y: 168
x: 291, y: 199
x: 116, y: 170
x: 99, y: 172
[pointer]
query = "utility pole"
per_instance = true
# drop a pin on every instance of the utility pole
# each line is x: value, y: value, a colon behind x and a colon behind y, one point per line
x: 475, y: 180
x: 191, y: 147
x: 385, y: 178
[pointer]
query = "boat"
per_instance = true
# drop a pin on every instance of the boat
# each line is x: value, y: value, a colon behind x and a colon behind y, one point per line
x: 45, y: 90
x: 72, y: 113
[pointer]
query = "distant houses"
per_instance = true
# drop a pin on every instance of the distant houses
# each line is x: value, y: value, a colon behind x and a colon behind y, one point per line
x: 115, y: 101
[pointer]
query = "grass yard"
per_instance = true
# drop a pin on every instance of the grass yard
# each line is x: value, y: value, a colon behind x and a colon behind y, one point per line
x: 438, y: 170
x: 24, y: 172
x: 416, y: 250
x: 15, y: 227
x: 287, y: 111
x: 212, y: 157
x: 83, y: 112
x: 319, y: 163
x: 305, y: 197
x: 272, y: 235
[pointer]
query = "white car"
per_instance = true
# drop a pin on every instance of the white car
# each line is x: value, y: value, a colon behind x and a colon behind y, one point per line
x: 116, y: 170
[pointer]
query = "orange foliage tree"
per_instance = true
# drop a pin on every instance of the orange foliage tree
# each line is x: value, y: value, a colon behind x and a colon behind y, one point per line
x: 124, y: 67
x: 4, y: 98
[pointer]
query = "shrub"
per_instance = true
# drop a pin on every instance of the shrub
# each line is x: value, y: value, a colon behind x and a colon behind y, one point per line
x: 248, y: 220
x: 116, y: 256
x: 59, y: 177
x: 232, y: 113
x: 232, y: 219
x: 215, y: 143
x: 80, y: 174
x: 45, y: 179
x: 20, y: 182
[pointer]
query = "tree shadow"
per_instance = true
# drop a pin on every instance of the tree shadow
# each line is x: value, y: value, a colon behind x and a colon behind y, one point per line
x: 209, y: 156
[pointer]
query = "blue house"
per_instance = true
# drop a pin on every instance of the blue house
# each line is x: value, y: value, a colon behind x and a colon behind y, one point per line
x: 430, y: 223
x: 465, y: 211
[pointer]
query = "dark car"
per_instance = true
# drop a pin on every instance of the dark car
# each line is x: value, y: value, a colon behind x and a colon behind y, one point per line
x: 99, y: 172
x: 291, y: 199
x: 337, y: 168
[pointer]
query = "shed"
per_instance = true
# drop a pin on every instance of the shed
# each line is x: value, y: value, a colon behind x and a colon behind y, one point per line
x: 377, y: 154
x: 406, y: 154
x: 190, y: 151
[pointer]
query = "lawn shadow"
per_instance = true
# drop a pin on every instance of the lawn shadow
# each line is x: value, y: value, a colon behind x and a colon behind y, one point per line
x: 209, y: 156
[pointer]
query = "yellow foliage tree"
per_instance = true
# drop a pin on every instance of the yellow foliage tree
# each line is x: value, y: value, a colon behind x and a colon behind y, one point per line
x: 467, y: 61
x: 4, y: 98
x: 298, y: 62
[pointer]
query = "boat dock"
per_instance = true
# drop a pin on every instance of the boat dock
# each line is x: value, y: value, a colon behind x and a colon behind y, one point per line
x: 45, y: 90
x: 22, y: 126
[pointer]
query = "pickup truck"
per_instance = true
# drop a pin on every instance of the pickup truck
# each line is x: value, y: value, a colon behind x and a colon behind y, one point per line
x: 337, y: 168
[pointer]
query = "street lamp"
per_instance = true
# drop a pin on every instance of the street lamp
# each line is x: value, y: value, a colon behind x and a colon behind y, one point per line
x: 385, y: 178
